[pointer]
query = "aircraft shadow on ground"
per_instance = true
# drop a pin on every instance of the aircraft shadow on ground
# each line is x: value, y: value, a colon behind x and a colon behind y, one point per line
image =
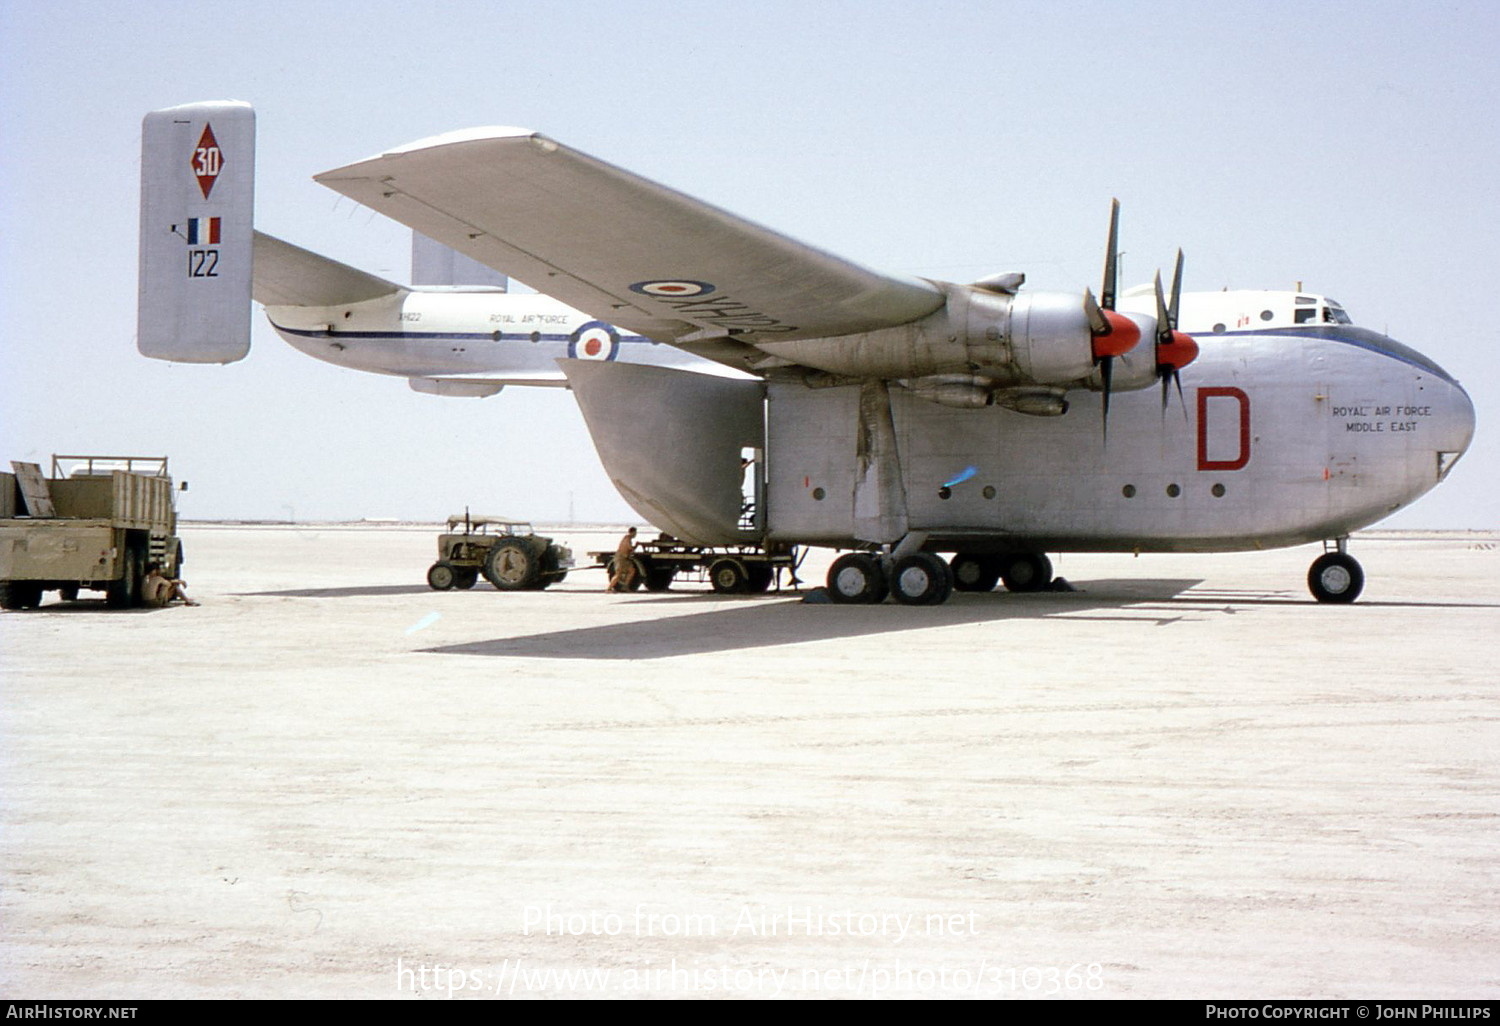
x: 367, y: 591
x: 767, y: 622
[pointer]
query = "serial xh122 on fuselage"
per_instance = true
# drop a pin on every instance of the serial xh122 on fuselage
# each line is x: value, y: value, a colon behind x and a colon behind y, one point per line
x: 903, y: 418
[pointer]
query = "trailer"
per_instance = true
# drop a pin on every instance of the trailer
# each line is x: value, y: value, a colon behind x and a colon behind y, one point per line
x: 95, y: 524
x: 729, y: 570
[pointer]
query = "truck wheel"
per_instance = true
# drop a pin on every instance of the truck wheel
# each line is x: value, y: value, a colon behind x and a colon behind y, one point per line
x: 728, y: 577
x: 511, y: 565
x: 125, y: 593
x: 465, y: 577
x: 20, y: 595
x: 68, y: 593
x: 441, y: 576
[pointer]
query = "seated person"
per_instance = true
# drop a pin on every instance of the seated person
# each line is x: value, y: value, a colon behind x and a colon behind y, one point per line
x: 159, y: 590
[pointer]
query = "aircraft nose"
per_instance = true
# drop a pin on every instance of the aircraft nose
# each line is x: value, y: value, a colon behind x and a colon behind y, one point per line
x: 1454, y: 426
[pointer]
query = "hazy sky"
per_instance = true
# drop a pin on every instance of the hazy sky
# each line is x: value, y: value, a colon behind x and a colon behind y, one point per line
x: 1351, y: 147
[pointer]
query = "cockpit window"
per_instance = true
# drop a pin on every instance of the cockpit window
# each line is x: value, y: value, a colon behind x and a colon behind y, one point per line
x: 1303, y: 316
x: 1333, y: 313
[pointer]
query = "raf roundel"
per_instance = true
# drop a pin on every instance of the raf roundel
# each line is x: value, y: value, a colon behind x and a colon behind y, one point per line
x: 594, y: 341
x: 674, y: 289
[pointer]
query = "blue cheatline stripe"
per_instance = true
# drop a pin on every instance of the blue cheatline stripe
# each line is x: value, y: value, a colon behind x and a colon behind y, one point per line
x: 1346, y: 334
x: 443, y: 336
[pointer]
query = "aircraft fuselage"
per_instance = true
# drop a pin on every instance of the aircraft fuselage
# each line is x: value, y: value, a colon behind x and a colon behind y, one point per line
x: 431, y: 332
x: 1288, y: 436
x: 1302, y: 428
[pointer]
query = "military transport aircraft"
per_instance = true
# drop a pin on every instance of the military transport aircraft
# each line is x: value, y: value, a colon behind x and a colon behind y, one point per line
x: 902, y: 418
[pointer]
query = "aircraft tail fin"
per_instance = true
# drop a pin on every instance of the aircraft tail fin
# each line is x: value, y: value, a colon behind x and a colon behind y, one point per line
x: 197, y: 216
x: 288, y: 275
x: 433, y: 263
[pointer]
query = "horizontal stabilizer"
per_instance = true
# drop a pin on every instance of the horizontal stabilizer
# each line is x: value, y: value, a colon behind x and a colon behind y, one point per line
x: 288, y: 275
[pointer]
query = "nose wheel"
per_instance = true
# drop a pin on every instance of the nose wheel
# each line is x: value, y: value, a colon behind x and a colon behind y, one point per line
x: 1335, y: 577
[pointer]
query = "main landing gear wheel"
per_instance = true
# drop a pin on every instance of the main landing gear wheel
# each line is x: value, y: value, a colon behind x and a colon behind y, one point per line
x: 1335, y: 577
x: 974, y: 573
x: 856, y: 579
x: 921, y: 579
x: 1026, y: 571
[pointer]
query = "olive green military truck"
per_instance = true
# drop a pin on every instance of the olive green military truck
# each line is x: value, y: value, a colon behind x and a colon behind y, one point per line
x: 95, y: 524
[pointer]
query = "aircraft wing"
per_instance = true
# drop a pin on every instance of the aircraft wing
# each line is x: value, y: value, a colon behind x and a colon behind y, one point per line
x: 625, y: 249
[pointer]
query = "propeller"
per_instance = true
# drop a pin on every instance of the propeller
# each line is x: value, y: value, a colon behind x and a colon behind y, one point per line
x: 1174, y: 349
x: 1113, y: 334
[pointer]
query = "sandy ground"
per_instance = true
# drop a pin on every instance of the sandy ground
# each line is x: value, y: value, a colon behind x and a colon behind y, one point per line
x: 1184, y: 780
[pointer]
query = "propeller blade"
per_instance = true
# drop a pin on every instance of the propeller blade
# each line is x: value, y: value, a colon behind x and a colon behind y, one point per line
x: 1163, y: 318
x: 1174, y: 349
x: 1110, y: 288
x: 1176, y: 291
x: 1098, y: 324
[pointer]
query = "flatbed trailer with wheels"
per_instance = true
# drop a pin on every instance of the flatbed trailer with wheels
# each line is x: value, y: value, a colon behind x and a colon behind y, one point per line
x: 96, y: 523
x: 731, y: 570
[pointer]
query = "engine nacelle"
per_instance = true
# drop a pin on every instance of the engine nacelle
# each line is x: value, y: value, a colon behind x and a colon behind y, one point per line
x: 980, y: 343
x: 1049, y: 338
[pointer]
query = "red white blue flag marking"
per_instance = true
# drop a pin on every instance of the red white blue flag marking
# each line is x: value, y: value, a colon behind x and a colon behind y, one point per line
x: 204, y: 231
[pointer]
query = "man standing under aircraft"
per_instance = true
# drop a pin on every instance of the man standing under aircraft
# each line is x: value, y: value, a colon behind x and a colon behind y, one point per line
x: 622, y: 571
